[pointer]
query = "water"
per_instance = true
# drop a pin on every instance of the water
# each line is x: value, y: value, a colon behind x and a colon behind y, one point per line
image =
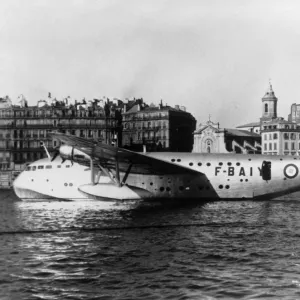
x: 217, y: 250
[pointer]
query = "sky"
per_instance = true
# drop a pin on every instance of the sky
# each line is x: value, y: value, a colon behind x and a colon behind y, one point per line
x: 215, y: 57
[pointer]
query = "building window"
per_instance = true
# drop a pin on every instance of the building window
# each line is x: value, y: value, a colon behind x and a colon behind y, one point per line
x: 293, y: 136
x: 275, y: 146
x: 266, y: 137
x: 286, y: 146
x: 265, y: 147
x: 270, y: 136
x: 286, y: 136
x: 293, y: 146
x: 270, y: 146
x: 275, y: 136
x: 266, y: 108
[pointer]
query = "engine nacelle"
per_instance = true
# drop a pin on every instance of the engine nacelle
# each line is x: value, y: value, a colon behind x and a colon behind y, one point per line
x: 71, y: 153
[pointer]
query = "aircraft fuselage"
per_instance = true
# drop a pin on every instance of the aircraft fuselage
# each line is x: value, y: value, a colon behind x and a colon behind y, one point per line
x: 231, y: 176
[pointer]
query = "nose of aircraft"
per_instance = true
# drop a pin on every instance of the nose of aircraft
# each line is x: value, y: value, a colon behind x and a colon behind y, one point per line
x: 18, y: 184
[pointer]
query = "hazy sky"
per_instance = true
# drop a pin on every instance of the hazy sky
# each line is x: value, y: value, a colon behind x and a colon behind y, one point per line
x: 214, y: 57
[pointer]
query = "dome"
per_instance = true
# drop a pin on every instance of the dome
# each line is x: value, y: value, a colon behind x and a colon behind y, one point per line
x: 270, y: 93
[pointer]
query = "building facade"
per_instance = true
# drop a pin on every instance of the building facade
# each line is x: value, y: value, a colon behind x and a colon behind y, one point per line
x: 210, y: 138
x: 160, y: 128
x: 281, y: 137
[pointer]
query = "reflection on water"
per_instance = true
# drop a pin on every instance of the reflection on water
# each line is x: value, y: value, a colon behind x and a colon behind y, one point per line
x: 92, y: 250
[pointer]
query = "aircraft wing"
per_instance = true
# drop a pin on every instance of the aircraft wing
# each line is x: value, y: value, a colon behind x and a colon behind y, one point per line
x: 108, y: 155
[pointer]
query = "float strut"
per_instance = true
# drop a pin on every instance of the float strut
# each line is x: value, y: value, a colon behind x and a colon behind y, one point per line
x: 92, y: 172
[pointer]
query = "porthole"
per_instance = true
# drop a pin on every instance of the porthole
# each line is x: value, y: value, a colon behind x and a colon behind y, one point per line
x: 190, y: 163
x: 241, y: 180
x: 168, y: 189
x: 246, y: 180
x: 207, y: 187
x: 227, y: 187
x: 66, y: 184
x: 220, y: 164
x: 70, y: 184
x: 220, y: 186
x: 151, y: 183
x: 179, y: 160
x: 249, y: 159
x: 199, y: 164
x: 238, y: 164
x: 161, y: 189
x: 181, y: 188
x: 229, y: 164
x: 208, y: 164
x: 200, y: 188
x: 32, y: 180
x: 172, y: 160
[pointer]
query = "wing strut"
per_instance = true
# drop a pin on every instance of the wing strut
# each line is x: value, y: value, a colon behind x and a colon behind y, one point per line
x: 108, y: 174
x: 126, y: 174
x: 118, y: 172
x: 92, y: 172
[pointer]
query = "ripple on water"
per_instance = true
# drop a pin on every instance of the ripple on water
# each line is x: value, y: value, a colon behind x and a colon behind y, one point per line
x: 61, y: 250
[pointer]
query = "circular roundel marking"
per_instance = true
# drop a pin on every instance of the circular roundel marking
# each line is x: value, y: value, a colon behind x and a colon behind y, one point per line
x: 290, y: 171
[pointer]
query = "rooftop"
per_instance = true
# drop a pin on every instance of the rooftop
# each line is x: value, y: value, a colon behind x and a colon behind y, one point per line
x: 253, y: 124
x: 238, y: 132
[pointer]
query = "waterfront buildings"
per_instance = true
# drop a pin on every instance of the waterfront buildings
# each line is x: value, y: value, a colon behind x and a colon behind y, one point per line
x: 278, y: 136
x: 23, y: 127
x: 160, y: 128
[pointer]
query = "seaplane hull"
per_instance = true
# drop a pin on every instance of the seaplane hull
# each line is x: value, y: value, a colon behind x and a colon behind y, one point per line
x: 113, y: 174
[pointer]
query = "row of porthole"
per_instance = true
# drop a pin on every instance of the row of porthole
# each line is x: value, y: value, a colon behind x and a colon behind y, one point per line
x: 70, y: 184
x: 208, y: 164
x: 220, y: 164
x: 226, y: 186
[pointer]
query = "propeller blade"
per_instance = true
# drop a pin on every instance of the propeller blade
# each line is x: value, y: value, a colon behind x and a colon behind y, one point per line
x: 63, y: 160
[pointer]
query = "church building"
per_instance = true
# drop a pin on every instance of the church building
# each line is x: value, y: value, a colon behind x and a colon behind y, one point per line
x: 210, y: 138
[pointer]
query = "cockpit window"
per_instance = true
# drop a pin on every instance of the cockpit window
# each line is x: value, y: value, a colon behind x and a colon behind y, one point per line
x: 40, y: 167
x: 48, y: 167
x: 28, y: 168
x: 67, y: 166
x: 59, y: 166
x: 33, y: 168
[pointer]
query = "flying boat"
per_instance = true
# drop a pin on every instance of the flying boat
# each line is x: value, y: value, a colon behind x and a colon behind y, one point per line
x: 84, y: 169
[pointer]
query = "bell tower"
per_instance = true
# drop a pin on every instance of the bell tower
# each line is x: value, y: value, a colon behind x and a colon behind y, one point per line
x: 269, y: 104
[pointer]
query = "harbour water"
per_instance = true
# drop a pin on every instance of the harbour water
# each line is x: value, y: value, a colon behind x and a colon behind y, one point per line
x: 86, y: 250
